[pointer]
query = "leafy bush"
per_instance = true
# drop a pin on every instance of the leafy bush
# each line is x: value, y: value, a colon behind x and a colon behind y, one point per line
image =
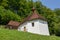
x: 57, y: 31
x: 7, y: 15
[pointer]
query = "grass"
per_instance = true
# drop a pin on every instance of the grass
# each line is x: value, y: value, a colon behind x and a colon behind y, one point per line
x: 6, y: 34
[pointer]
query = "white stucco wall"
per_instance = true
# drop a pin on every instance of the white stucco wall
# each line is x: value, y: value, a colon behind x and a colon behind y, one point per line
x: 40, y: 27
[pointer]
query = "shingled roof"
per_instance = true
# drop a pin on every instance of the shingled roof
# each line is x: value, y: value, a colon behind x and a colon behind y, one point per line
x: 33, y: 16
x: 14, y: 24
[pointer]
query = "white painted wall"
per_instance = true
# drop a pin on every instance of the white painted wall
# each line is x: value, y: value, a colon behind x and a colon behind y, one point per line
x: 40, y: 27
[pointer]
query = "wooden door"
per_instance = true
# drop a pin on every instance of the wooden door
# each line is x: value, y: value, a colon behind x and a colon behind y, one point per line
x: 24, y: 29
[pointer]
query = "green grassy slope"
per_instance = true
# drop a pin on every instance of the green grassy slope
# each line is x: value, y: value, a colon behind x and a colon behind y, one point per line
x: 6, y: 34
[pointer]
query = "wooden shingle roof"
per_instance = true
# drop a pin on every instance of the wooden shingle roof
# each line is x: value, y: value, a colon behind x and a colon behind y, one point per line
x: 33, y: 16
x: 13, y: 23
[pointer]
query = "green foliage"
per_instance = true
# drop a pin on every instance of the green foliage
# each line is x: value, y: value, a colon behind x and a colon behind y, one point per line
x: 57, y: 31
x: 7, y: 15
x: 17, y: 9
x: 57, y: 25
x: 57, y: 11
x: 6, y: 34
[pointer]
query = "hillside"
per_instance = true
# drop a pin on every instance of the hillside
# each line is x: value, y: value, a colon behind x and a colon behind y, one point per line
x: 6, y: 34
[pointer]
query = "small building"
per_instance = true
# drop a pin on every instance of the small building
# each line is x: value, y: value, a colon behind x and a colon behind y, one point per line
x: 12, y: 25
x: 34, y: 23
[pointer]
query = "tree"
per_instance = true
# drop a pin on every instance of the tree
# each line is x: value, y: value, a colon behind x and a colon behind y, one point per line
x: 57, y: 29
x: 57, y: 11
x: 7, y: 15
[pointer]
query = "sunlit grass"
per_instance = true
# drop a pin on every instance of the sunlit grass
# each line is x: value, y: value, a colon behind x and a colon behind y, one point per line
x: 6, y: 34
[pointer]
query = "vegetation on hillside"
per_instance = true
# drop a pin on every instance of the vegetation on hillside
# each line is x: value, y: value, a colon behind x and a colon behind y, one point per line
x: 7, y: 15
x: 6, y: 34
x: 17, y: 10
